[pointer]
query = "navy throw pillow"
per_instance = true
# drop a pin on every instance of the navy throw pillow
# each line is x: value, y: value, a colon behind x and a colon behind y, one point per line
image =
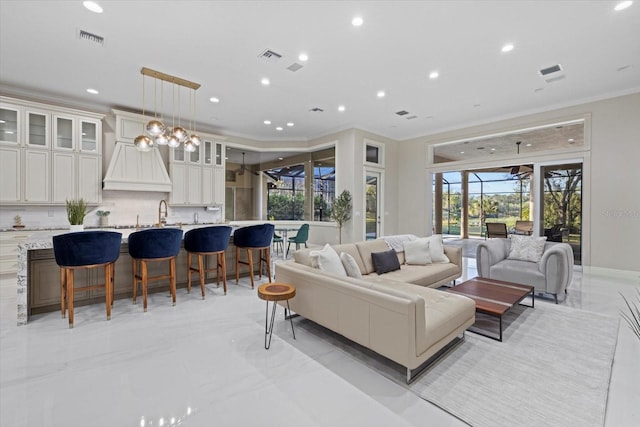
x: 386, y: 261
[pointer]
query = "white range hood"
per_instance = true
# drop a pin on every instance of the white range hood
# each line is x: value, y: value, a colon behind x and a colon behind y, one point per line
x: 130, y: 169
x: 134, y: 170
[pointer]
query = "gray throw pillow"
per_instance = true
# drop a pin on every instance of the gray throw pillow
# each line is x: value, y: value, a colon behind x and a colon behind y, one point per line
x: 385, y: 262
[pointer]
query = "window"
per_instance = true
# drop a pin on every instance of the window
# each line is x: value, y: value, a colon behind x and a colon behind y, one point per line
x: 373, y: 154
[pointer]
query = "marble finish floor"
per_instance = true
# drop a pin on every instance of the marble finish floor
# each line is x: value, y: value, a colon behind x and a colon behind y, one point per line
x: 203, y: 363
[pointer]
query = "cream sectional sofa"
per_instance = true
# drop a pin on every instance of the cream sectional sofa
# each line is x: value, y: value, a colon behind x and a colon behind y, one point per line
x: 395, y: 314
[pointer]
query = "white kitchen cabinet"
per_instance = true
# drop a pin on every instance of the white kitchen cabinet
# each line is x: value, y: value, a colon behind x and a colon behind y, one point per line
x: 10, y: 171
x: 9, y: 241
x: 207, y: 186
x: 218, y: 186
x: 194, y: 185
x: 37, y: 175
x: 57, y: 155
x: 179, y: 179
x: 10, y: 129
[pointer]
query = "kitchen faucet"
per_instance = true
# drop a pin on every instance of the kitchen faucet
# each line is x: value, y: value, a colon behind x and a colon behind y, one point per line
x: 162, y: 220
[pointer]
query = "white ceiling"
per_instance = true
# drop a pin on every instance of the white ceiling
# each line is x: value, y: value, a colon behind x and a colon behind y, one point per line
x: 217, y: 43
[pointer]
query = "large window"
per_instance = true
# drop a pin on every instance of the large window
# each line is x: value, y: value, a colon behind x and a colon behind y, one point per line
x: 500, y: 196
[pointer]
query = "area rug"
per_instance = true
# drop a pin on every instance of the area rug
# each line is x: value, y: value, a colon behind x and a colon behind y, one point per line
x: 552, y: 369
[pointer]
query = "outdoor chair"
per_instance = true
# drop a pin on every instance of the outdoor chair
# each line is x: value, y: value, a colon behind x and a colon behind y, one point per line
x: 496, y: 229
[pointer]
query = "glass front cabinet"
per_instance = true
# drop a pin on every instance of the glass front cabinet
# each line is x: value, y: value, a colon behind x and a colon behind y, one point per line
x: 55, y: 153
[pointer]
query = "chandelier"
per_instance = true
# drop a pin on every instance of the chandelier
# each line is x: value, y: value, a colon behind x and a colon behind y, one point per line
x: 155, y: 131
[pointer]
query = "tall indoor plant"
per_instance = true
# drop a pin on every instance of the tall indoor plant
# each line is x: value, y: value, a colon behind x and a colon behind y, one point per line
x: 341, y: 210
x: 76, y: 211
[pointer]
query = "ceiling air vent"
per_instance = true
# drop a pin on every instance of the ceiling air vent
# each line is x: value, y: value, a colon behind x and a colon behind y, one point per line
x: 316, y: 110
x: 294, y: 67
x: 402, y: 113
x: 412, y: 117
x: 550, y: 70
x: 85, y: 35
x: 269, y: 55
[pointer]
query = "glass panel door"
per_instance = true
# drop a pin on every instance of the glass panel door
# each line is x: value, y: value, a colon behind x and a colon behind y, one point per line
x: 561, y: 205
x: 37, y: 129
x: 8, y: 125
x: 64, y: 133
x: 89, y: 137
x: 372, y: 205
x: 206, y: 145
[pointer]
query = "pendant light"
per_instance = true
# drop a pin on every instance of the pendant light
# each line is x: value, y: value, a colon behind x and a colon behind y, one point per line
x: 143, y: 142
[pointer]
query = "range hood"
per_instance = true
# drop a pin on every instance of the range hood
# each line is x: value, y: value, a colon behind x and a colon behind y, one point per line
x: 134, y: 170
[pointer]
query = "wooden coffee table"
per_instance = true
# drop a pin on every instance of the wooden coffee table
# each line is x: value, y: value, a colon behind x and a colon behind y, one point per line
x: 493, y: 297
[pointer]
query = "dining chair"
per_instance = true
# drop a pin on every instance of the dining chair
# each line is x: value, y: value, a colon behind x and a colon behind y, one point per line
x: 301, y: 237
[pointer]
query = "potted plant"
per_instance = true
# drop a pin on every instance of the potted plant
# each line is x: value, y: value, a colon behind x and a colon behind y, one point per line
x: 104, y: 218
x: 341, y: 210
x: 76, y: 211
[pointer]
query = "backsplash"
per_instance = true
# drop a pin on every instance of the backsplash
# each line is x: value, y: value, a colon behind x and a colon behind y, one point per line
x: 124, y: 206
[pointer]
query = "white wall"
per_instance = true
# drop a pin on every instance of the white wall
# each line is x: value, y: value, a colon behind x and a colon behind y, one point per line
x: 612, y: 207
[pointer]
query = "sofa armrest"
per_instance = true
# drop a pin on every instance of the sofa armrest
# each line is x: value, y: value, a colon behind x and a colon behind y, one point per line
x: 488, y: 253
x: 454, y: 253
x: 556, y: 265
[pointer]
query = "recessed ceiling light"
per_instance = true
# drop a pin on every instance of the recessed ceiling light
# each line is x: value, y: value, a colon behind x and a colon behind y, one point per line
x: 381, y: 94
x: 507, y: 47
x: 528, y: 145
x: 265, y: 81
x: 279, y: 128
x: 214, y: 99
x: 92, y: 91
x: 280, y: 158
x: 303, y: 57
x: 493, y: 149
x: 571, y: 140
x: 462, y: 152
x: 357, y: 21
x: 267, y: 122
x: 434, y: 75
x: 290, y: 124
x: 623, y: 5
x: 92, y: 6
x: 341, y: 108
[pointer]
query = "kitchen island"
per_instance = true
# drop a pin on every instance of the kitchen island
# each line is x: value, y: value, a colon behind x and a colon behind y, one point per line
x: 38, y: 274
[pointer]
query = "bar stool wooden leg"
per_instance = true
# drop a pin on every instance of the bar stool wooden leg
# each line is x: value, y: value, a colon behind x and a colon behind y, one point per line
x: 250, y: 256
x: 201, y: 270
x: 143, y: 267
x: 63, y: 292
x: 134, y: 269
x: 188, y: 272
x: 70, y: 284
x: 237, y: 264
x: 222, y: 263
x: 108, y: 289
x: 172, y: 273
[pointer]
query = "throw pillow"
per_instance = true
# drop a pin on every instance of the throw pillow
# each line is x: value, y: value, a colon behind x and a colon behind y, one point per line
x: 417, y: 252
x: 350, y: 265
x: 436, y: 249
x: 327, y: 259
x: 526, y: 248
x: 386, y: 261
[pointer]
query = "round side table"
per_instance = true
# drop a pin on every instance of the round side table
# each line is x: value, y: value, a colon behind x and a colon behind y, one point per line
x: 275, y: 292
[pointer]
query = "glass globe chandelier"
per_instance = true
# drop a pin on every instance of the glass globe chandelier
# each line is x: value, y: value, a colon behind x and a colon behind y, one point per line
x: 155, y: 131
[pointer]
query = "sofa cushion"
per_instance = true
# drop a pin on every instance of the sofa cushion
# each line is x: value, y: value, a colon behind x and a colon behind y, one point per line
x: 351, y: 249
x: 418, y: 274
x: 327, y: 259
x: 417, y: 252
x: 526, y: 248
x: 350, y: 265
x: 366, y: 248
x: 517, y: 271
x: 437, y: 249
x: 385, y: 261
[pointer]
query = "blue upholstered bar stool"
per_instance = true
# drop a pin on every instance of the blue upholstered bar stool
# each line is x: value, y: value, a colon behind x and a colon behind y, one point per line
x: 154, y: 245
x: 86, y: 250
x: 254, y: 237
x: 203, y: 242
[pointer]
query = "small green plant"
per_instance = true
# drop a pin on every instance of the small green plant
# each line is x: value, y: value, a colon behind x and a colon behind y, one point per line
x: 341, y: 210
x: 76, y: 211
x: 633, y: 317
x: 103, y: 213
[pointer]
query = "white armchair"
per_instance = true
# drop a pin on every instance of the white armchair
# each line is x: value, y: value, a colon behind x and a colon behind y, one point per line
x: 552, y: 274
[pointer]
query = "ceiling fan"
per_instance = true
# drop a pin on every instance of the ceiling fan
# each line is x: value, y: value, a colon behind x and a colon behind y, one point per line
x: 243, y: 168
